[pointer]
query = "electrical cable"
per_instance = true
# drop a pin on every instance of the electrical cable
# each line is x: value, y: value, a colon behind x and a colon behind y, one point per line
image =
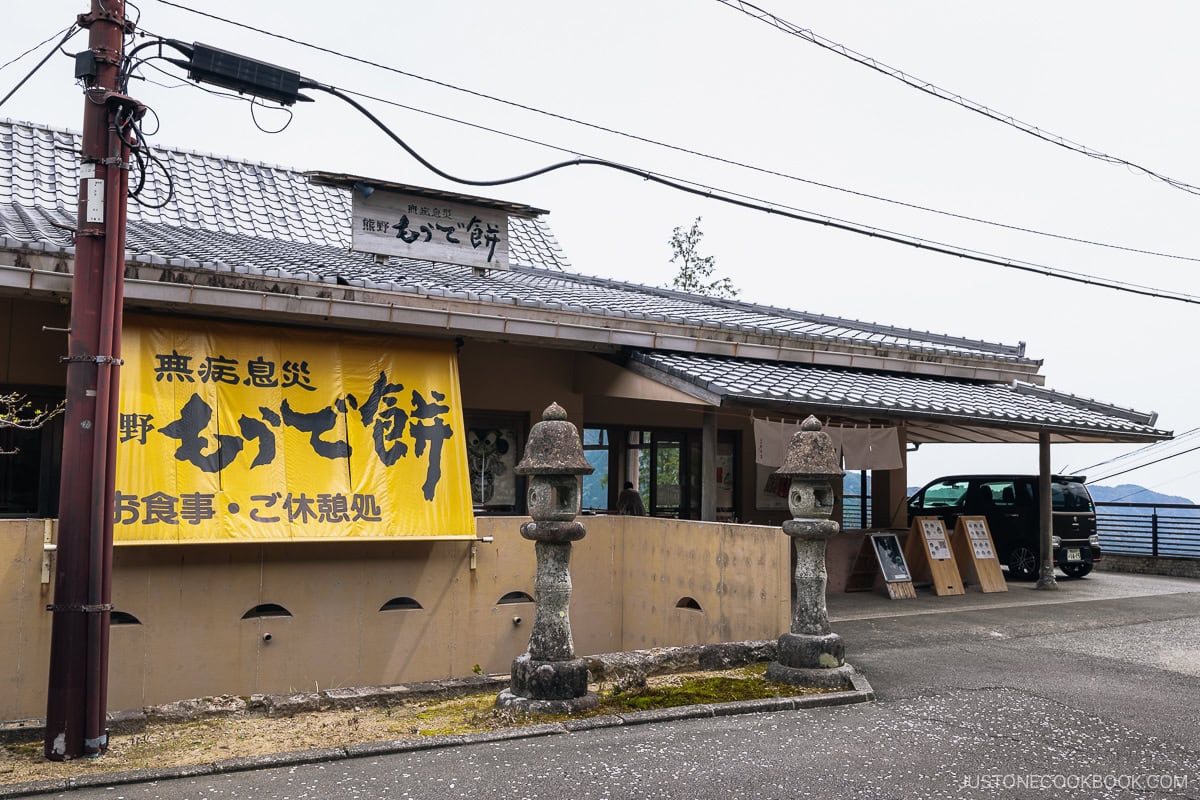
x: 71, y: 31
x: 1143, y: 449
x: 1153, y: 447
x: 727, y: 198
x: 254, y: 101
x: 934, y: 90
x: 678, y: 148
x: 1147, y: 464
x: 45, y: 41
x: 1155, y: 487
x: 916, y: 240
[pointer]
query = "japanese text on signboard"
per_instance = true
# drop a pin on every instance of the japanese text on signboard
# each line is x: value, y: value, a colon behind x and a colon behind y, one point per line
x: 388, y: 223
x: 295, y: 437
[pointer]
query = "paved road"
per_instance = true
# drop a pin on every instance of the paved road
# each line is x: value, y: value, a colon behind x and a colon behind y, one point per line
x: 1094, y: 698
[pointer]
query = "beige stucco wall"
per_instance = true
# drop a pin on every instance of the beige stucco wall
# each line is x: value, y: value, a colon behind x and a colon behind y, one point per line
x: 628, y: 573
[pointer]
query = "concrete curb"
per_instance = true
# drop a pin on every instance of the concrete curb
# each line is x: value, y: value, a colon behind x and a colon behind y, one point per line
x: 860, y: 693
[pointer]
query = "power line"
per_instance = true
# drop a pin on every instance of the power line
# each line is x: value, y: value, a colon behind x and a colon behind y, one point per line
x: 70, y: 31
x: 745, y: 201
x: 679, y: 148
x: 45, y: 41
x: 1147, y: 464
x: 1141, y: 450
x: 916, y: 241
x: 943, y: 94
x: 755, y: 205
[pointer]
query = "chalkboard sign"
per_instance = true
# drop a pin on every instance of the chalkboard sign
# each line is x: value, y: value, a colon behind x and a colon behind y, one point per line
x: 890, y: 558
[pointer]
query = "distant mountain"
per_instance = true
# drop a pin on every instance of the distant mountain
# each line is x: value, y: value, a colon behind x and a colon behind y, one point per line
x: 1132, y: 493
x: 1124, y: 493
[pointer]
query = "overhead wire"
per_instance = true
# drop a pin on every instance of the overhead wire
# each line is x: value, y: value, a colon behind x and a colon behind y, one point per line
x: 934, y: 90
x: 755, y: 205
x: 1143, y: 466
x: 735, y: 199
x: 40, y: 44
x: 677, y: 148
x: 1159, y: 485
x: 915, y: 240
x: 1143, y: 449
x: 70, y: 31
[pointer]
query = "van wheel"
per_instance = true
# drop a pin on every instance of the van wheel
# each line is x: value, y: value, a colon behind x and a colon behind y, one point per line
x: 1076, y: 570
x: 1022, y: 563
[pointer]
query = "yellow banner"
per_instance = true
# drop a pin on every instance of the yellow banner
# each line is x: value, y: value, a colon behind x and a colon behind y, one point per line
x: 235, y: 432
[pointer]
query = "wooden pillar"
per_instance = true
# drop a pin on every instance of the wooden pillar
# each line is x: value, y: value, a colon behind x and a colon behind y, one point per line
x: 708, y: 469
x: 1045, y: 514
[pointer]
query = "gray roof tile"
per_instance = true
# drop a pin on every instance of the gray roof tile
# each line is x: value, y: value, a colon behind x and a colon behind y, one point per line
x: 890, y: 393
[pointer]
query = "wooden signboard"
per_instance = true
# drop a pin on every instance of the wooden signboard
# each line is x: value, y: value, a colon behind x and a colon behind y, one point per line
x: 975, y: 551
x: 928, y: 554
x: 881, y: 562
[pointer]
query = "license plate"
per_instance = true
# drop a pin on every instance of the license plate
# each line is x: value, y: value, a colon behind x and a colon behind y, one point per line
x: 1074, y: 554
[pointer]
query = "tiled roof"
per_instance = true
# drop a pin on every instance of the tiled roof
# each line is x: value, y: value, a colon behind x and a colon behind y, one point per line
x: 262, y: 219
x: 897, y: 396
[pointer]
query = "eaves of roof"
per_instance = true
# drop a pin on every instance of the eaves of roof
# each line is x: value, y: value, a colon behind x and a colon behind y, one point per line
x: 187, y: 287
x: 937, y: 409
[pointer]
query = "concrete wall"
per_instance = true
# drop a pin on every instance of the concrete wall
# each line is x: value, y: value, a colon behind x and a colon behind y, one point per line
x: 1150, y: 565
x: 629, y: 575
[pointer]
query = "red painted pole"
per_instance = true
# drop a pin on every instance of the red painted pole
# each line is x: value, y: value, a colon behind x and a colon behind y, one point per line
x: 77, y: 692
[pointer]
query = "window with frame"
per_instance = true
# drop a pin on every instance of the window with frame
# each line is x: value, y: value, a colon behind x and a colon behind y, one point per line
x: 30, y: 462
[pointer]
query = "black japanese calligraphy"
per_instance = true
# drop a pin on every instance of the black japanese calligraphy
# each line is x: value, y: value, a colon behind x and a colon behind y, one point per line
x: 193, y: 420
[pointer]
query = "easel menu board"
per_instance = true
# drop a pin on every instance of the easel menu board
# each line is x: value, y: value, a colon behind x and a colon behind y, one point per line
x: 974, y: 549
x: 896, y: 577
x: 928, y: 553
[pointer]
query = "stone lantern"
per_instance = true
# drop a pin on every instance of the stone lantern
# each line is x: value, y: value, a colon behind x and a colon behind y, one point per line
x: 548, y: 678
x: 810, y: 654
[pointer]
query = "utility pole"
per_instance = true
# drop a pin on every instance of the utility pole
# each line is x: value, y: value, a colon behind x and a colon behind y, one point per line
x: 78, y: 682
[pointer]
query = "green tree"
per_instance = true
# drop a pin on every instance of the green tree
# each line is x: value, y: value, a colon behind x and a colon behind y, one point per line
x: 695, y: 270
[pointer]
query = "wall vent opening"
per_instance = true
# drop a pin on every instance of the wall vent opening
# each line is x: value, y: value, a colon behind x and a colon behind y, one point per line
x: 400, y: 604
x: 263, y: 610
x: 688, y: 602
x: 123, y: 618
x: 514, y: 597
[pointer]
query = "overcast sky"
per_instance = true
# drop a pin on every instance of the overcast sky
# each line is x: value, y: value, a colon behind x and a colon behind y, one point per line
x: 1117, y: 77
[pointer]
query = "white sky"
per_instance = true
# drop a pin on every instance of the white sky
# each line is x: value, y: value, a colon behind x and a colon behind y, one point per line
x: 1116, y: 76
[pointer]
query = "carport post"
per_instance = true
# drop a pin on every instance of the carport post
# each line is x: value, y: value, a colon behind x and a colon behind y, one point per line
x: 1045, y: 514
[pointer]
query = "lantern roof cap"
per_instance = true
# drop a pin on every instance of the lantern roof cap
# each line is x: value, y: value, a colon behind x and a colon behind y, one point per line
x: 811, y: 454
x: 554, y: 447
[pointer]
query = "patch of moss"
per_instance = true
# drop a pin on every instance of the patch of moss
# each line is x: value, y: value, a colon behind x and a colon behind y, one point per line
x: 692, y: 692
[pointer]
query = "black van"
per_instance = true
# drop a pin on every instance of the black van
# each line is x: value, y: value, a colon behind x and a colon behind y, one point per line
x: 1010, y: 503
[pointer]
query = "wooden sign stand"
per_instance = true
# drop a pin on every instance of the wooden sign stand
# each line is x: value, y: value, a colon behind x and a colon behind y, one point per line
x: 974, y: 549
x: 928, y: 552
x: 880, y: 560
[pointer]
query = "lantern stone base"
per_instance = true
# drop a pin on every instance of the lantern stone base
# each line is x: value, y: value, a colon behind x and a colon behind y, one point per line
x: 528, y: 705
x: 811, y: 660
x: 836, y: 678
x: 811, y: 651
x: 548, y: 687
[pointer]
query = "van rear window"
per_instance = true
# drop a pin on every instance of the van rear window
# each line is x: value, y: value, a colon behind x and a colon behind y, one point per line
x: 1070, y: 497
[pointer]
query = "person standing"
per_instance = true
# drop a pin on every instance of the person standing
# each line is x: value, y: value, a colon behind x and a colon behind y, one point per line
x: 629, y: 502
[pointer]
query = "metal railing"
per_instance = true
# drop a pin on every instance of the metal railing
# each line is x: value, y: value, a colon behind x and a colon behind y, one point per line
x: 1149, y: 529
x: 856, y: 511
